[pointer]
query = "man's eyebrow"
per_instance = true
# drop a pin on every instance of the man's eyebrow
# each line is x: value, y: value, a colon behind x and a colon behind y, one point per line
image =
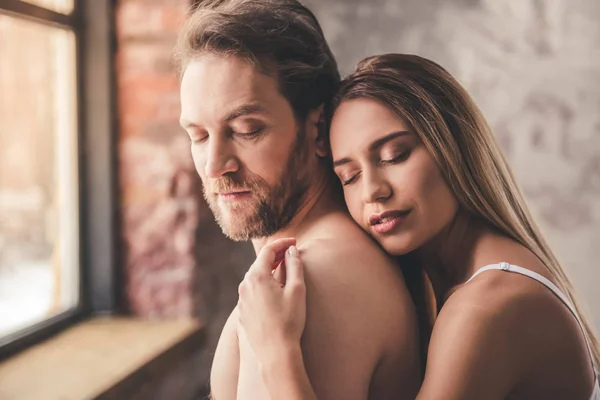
x: 246, y: 109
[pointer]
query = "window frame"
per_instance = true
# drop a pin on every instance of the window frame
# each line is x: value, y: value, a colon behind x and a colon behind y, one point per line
x: 92, y: 22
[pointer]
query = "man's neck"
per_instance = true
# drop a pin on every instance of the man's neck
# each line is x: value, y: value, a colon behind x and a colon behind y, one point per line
x: 320, y: 200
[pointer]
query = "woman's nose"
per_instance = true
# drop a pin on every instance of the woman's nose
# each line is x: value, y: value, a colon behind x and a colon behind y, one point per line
x: 375, y: 187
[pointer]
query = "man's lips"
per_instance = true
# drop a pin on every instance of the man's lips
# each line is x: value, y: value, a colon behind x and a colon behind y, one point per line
x: 234, y: 195
x: 232, y: 192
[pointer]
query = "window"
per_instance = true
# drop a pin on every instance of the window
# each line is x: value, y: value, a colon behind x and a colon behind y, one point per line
x: 61, y: 6
x: 48, y: 55
x: 38, y: 174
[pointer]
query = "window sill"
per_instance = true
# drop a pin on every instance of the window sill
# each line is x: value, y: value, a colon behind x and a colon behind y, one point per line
x: 109, y: 357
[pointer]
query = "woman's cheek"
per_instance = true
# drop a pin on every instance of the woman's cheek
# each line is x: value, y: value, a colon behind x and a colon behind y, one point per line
x: 354, y: 204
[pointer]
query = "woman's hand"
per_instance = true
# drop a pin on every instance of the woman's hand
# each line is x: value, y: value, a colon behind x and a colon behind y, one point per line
x: 272, y: 314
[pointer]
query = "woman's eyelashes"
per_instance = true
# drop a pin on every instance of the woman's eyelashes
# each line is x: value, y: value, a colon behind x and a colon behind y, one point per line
x: 399, y: 157
x: 396, y: 158
x: 348, y: 181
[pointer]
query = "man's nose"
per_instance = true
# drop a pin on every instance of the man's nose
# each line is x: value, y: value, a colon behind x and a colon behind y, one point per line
x: 221, y: 158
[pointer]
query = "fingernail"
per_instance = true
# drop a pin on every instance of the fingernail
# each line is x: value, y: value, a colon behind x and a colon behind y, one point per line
x: 293, y: 251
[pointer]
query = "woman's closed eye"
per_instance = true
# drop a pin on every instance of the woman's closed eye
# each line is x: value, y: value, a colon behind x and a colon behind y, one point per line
x: 397, y: 158
x: 347, y: 179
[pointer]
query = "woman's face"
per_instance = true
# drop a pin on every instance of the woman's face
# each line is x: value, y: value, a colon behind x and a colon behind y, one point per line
x: 392, y: 185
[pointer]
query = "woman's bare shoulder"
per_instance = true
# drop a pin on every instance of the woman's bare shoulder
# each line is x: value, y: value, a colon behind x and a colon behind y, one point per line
x: 499, y: 328
x: 496, y: 302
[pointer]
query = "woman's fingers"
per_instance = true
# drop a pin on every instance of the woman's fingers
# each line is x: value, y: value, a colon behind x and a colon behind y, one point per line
x: 279, y: 274
x: 270, y: 254
x: 294, y: 269
x: 265, y: 261
x: 268, y: 310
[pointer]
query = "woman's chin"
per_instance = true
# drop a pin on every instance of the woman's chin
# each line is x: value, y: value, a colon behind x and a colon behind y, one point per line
x: 397, y: 246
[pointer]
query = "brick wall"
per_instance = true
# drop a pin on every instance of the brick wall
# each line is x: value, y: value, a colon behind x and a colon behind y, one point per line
x: 158, y: 185
x: 177, y: 263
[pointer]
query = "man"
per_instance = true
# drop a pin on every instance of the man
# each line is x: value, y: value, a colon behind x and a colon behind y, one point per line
x: 257, y: 76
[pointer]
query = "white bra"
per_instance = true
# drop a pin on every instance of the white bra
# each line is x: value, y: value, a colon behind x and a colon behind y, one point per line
x: 504, y: 266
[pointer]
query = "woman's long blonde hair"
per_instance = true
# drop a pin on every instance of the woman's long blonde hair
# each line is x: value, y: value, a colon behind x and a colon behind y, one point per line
x: 454, y: 131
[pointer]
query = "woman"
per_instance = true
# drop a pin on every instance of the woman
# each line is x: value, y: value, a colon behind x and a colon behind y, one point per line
x: 424, y: 176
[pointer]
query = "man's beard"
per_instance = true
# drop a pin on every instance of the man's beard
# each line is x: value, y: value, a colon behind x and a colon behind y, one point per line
x: 270, y: 208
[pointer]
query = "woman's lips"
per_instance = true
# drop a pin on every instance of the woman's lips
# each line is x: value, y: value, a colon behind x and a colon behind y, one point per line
x: 388, y: 221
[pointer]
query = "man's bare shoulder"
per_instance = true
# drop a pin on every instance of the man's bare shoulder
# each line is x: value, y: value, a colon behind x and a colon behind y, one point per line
x: 349, y: 262
x: 353, y: 260
x: 345, y: 244
x: 358, y: 309
x: 225, y: 368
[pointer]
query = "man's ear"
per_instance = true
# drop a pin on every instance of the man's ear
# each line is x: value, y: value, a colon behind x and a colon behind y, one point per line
x: 316, y: 130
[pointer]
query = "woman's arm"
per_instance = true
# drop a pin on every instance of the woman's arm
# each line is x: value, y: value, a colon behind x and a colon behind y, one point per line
x: 273, y: 315
x: 285, y: 376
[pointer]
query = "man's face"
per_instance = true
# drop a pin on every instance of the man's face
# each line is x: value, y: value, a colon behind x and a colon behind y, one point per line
x: 246, y: 144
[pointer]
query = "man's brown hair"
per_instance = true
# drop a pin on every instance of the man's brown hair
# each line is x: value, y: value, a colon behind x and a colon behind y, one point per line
x: 281, y: 37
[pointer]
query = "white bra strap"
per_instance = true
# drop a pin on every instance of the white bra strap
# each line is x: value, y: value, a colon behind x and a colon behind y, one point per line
x: 504, y: 266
